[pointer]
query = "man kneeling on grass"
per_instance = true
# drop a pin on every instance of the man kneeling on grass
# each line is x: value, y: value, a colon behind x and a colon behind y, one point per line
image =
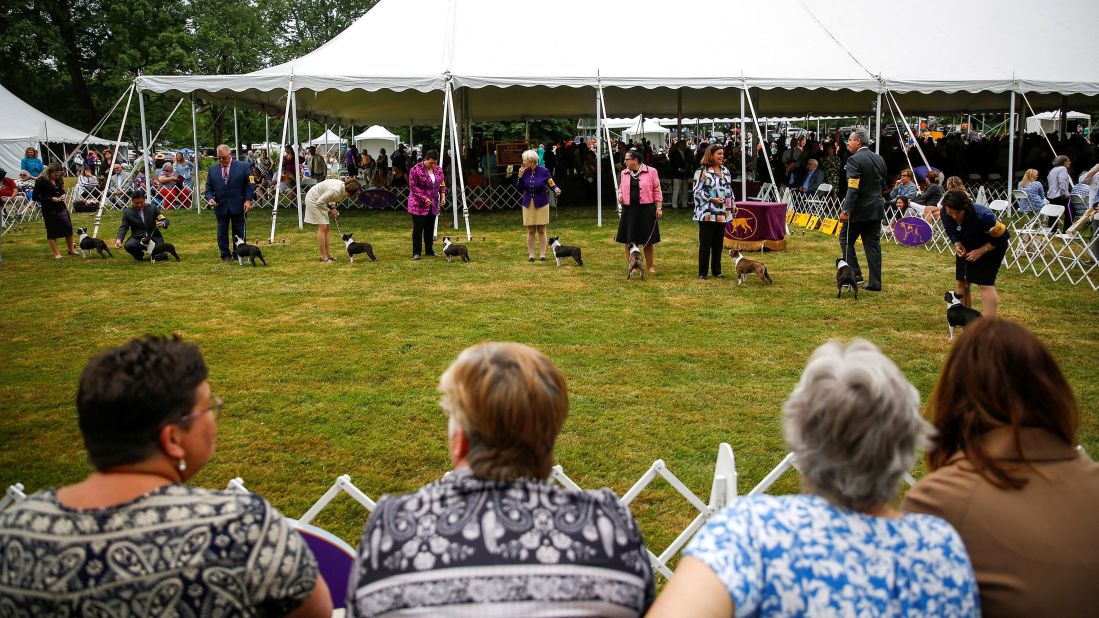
x: 496, y: 536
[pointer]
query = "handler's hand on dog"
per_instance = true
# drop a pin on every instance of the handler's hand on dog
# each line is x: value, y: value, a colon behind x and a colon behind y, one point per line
x: 118, y: 244
x: 334, y: 212
x: 959, y: 250
x: 975, y: 254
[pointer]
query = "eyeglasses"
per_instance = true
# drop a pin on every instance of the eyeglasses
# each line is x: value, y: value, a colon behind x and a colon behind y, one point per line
x: 216, y: 405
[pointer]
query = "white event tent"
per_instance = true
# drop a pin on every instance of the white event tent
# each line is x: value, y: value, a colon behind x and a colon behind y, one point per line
x: 374, y: 139
x: 645, y: 129
x: 848, y: 59
x: 22, y: 126
x: 1050, y: 122
x: 326, y: 143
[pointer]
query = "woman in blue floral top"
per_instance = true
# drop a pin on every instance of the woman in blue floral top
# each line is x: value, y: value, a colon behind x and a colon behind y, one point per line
x: 854, y: 424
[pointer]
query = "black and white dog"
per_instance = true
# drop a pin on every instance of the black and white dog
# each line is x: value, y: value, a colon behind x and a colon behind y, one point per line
x: 845, y: 278
x: 636, y: 262
x: 451, y: 250
x: 564, y: 251
x: 356, y: 248
x: 158, y: 251
x: 87, y: 243
x: 245, y: 250
x: 957, y: 314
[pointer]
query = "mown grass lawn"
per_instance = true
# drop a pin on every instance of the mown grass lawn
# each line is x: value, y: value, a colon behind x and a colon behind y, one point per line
x: 329, y: 369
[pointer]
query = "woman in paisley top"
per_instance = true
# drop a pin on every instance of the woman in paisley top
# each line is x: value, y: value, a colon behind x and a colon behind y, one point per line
x: 854, y: 424
x: 496, y: 536
x: 714, y: 206
x: 132, y: 539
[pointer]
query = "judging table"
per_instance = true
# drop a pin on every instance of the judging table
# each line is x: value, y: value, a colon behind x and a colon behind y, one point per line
x: 757, y: 226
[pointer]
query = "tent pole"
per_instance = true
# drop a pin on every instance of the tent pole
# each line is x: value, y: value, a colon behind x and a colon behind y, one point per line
x: 755, y: 122
x: 266, y: 132
x: 278, y: 164
x: 743, y: 153
x: 411, y: 142
x: 442, y: 149
x: 195, y: 202
x: 1011, y: 147
x: 236, y: 135
x: 297, y: 166
x: 144, y: 142
x: 679, y: 113
x: 877, y: 125
x: 457, y: 161
x: 110, y: 172
x: 598, y: 162
x: 606, y: 134
x: 309, y: 129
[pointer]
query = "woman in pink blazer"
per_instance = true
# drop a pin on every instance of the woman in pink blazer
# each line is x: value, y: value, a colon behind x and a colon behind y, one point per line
x: 426, y: 192
x: 641, y: 199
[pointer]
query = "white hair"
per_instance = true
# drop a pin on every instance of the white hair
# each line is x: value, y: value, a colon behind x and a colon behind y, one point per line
x: 854, y: 424
x: 530, y: 155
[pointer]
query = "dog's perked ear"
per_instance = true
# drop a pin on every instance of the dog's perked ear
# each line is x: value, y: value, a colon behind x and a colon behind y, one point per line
x: 949, y: 296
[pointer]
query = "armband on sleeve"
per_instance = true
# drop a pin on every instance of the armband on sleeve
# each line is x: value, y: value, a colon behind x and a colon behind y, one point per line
x: 997, y: 230
x: 852, y: 183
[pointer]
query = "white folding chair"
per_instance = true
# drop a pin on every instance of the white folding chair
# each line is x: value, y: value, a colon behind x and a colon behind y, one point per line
x: 1002, y: 208
x: 1072, y: 253
x: 819, y: 200
x: 766, y: 192
x: 1034, y: 238
x: 1024, y: 204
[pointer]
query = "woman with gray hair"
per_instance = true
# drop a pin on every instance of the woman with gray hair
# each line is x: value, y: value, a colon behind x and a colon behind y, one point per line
x: 853, y: 424
x: 535, y: 182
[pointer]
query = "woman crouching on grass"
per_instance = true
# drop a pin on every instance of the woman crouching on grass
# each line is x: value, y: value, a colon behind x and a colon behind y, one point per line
x: 980, y: 243
x: 321, y: 201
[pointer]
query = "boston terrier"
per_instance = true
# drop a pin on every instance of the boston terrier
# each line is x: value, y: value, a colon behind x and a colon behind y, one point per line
x: 636, y: 262
x: 245, y: 250
x: 745, y: 267
x: 158, y: 251
x: 957, y: 314
x: 845, y: 278
x: 87, y: 243
x: 564, y: 251
x: 450, y: 250
x: 355, y: 248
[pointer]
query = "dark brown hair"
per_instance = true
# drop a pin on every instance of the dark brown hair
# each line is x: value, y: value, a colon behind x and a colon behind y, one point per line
x: 998, y: 375
x: 708, y: 157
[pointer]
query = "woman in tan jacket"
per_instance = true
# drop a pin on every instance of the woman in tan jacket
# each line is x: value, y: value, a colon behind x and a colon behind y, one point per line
x: 1006, y: 474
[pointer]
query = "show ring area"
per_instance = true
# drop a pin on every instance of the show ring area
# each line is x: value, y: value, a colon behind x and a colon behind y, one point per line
x: 330, y: 371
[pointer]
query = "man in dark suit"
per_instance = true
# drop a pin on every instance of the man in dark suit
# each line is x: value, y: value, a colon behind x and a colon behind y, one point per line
x: 229, y: 192
x: 863, y: 208
x: 811, y: 179
x: 140, y: 221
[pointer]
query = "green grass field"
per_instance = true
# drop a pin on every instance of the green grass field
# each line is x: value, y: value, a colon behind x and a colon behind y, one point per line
x: 329, y: 369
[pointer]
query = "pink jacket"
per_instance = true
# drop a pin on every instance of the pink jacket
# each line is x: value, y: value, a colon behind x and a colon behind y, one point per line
x: 423, y: 195
x: 650, y: 186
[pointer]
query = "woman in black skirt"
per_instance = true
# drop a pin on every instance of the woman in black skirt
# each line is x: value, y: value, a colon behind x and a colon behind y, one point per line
x: 49, y: 192
x: 980, y: 242
x: 641, y: 199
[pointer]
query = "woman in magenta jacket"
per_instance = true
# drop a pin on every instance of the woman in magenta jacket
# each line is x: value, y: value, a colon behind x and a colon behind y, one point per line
x: 426, y: 192
x: 641, y: 199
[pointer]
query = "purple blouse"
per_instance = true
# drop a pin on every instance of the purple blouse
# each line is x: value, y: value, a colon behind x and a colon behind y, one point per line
x: 535, y: 186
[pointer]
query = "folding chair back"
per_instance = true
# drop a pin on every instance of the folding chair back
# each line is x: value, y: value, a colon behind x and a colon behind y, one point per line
x: 1023, y: 201
x: 1000, y: 207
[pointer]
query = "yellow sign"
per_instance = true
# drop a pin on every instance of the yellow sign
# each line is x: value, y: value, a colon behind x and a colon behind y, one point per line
x: 813, y: 223
x: 801, y: 219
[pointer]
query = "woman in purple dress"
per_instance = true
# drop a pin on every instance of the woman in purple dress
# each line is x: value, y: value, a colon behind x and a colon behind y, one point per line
x: 535, y: 183
x: 49, y: 192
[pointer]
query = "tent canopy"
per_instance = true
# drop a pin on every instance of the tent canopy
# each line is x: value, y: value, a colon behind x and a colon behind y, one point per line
x: 838, y: 66
x: 328, y: 137
x: 22, y: 126
x: 1050, y: 122
x: 645, y: 130
x: 375, y: 138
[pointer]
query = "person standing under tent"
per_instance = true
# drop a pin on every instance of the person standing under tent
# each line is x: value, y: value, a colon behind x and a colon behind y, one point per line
x: 173, y: 193
x: 32, y: 163
x: 321, y: 201
x: 534, y: 182
x: 1060, y: 187
x: 714, y: 207
x: 863, y: 208
x: 287, y: 171
x: 381, y: 172
x: 140, y: 221
x: 49, y: 192
x: 642, y: 206
x: 351, y: 160
x: 229, y: 192
x: 318, y: 168
x: 186, y: 172
x: 830, y: 165
x: 426, y: 193
x: 980, y: 243
x: 682, y: 163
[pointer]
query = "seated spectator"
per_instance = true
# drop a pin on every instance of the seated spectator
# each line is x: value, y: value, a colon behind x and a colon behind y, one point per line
x: 8, y: 189
x: 1005, y: 472
x: 132, y: 539
x: 904, y: 186
x: 32, y: 164
x: 1083, y: 189
x: 902, y: 208
x: 813, y: 178
x: 1035, y: 192
x: 934, y: 191
x: 118, y: 186
x: 87, y: 189
x: 185, y: 170
x: 496, y: 534
x: 854, y: 424
x: 25, y: 183
x: 172, y: 192
x: 931, y: 214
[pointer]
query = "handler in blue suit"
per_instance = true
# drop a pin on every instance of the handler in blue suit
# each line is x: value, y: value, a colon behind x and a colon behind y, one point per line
x: 229, y: 192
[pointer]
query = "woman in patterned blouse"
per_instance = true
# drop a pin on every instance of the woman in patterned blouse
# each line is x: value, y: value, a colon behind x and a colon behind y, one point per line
x: 854, y: 424
x: 132, y: 539
x: 714, y: 206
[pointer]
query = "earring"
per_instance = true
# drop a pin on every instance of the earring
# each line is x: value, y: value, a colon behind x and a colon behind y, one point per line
x: 182, y: 465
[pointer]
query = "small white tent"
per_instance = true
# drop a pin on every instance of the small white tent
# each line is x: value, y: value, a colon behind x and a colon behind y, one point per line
x: 649, y: 130
x: 22, y: 126
x: 1051, y: 121
x: 376, y: 138
x: 327, y: 143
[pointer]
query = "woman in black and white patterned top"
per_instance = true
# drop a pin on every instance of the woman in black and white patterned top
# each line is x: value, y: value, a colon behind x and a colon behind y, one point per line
x: 132, y: 539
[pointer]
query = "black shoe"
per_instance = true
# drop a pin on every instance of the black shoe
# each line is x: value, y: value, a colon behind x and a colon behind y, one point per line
x: 530, y: 259
x: 430, y: 254
x: 875, y: 288
x: 416, y: 257
x: 702, y: 276
x: 226, y: 259
x: 542, y: 259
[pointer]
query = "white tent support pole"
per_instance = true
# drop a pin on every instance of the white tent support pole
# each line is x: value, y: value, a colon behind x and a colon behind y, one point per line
x: 442, y: 149
x: 236, y: 135
x: 1011, y: 147
x: 743, y: 153
x: 679, y: 113
x: 915, y: 142
x: 900, y: 138
x: 410, y: 140
x: 456, y: 162
x: 309, y: 129
x: 877, y: 125
x: 1040, y: 127
x: 297, y: 167
x: 145, y: 155
x: 110, y: 172
x: 599, y: 159
x: 278, y: 164
x: 96, y: 128
x: 607, y: 137
x: 195, y: 202
x: 266, y: 132
x: 755, y: 123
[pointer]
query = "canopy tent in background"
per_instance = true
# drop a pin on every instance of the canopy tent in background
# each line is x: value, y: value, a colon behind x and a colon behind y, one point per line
x: 374, y: 139
x: 646, y: 129
x: 327, y: 143
x: 1051, y: 121
x: 22, y: 126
